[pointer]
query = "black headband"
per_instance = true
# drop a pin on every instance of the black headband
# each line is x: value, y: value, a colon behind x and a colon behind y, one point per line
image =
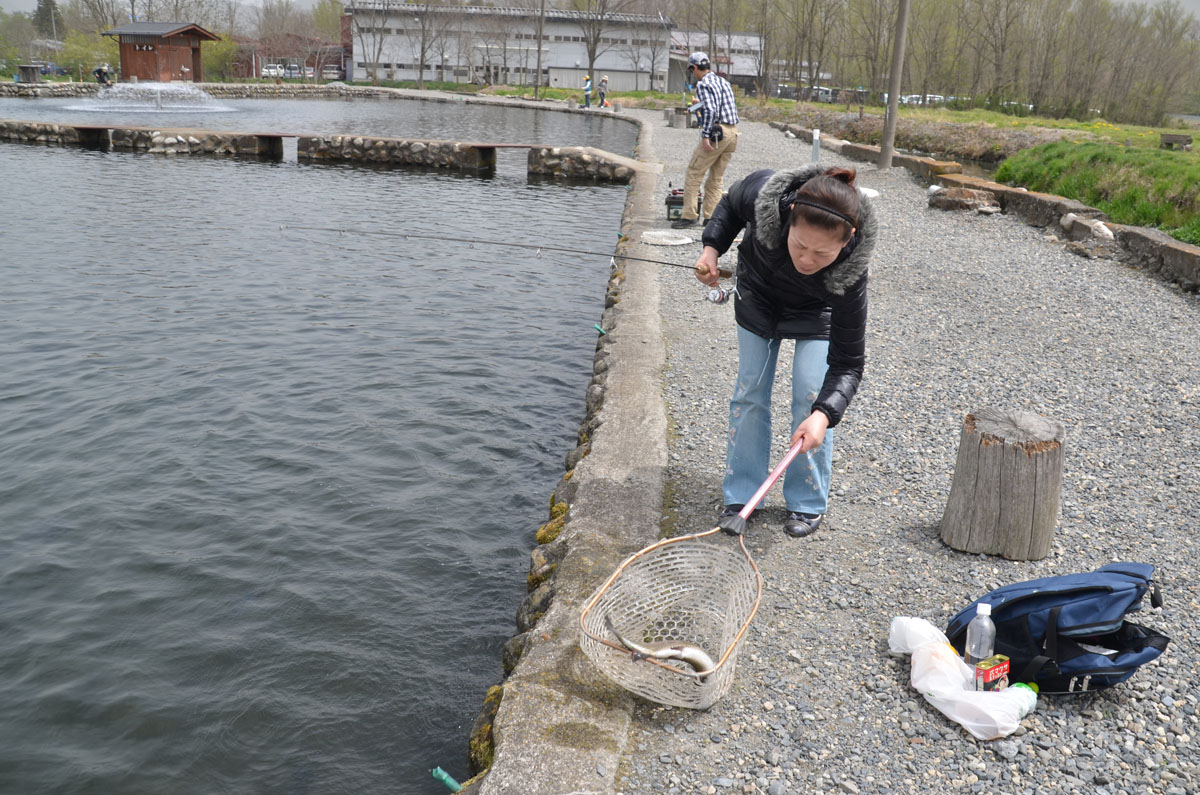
x: 796, y: 200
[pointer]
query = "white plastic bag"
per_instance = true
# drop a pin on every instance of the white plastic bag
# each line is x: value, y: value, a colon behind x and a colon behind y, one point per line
x: 941, y: 676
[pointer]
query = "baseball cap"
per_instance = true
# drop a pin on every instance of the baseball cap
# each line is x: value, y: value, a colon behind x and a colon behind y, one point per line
x: 698, y: 59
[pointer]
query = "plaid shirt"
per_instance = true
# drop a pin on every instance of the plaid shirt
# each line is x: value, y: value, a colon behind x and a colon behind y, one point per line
x: 719, y: 106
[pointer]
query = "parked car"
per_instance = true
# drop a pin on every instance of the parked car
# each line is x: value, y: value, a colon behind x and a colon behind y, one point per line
x: 272, y: 70
x: 308, y: 72
x: 291, y: 70
x: 331, y: 72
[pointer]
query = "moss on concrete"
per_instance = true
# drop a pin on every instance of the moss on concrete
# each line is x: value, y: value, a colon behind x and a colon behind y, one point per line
x: 550, y: 530
x: 482, y: 746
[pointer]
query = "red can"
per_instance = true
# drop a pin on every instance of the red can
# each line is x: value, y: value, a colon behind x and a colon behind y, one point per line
x: 992, y: 673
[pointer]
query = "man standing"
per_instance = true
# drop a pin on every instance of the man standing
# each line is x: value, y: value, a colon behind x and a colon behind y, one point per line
x: 718, y: 140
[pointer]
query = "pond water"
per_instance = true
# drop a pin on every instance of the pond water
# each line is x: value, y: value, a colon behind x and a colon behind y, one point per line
x: 267, y: 496
x: 399, y: 118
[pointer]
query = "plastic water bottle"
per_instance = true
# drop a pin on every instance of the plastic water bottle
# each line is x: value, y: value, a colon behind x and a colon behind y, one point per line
x: 981, y: 635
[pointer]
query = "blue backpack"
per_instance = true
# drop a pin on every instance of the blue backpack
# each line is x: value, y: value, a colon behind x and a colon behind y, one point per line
x: 1069, y: 634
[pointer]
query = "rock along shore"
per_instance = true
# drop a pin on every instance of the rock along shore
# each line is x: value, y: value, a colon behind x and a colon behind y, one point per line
x: 968, y: 311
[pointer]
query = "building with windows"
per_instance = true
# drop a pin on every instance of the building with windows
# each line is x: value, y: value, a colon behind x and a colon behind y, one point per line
x: 500, y: 45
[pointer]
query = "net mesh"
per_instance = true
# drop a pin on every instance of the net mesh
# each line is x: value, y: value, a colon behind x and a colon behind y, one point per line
x: 690, y: 590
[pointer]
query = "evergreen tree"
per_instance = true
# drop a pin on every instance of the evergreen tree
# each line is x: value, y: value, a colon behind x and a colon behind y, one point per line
x: 48, y: 20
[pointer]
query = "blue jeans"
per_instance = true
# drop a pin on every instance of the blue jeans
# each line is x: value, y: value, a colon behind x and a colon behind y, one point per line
x: 747, y: 464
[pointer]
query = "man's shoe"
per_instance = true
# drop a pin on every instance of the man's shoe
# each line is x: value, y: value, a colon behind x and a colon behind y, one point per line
x: 683, y: 223
x: 799, y: 525
x: 731, y: 510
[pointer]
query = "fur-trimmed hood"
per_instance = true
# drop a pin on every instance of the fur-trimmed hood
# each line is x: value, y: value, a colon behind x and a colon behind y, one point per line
x: 768, y: 226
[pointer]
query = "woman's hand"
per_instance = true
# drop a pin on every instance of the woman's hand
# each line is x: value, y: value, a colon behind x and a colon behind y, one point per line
x: 812, y: 431
x: 706, y: 267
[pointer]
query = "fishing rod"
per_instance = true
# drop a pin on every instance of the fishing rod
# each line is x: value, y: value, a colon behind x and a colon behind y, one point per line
x: 725, y: 273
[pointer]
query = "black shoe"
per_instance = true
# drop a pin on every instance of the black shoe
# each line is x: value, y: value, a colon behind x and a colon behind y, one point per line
x: 683, y: 223
x: 799, y: 525
x: 731, y: 510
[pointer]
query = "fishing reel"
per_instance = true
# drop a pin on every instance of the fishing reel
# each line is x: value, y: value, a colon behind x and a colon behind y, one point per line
x: 719, y: 295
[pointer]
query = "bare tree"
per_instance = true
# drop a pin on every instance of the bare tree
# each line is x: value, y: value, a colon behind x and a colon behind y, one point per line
x: 1047, y: 33
x: 596, y: 19
x: 870, y: 35
x: 369, y: 29
x: 1000, y: 22
x: 648, y: 43
x: 496, y: 39
x: 450, y: 27
x: 424, y: 24
x: 1171, y: 60
x: 105, y: 14
x: 1126, y: 60
x: 204, y: 13
x: 765, y: 25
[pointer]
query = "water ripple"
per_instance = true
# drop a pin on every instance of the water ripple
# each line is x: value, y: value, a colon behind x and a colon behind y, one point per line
x: 266, y: 502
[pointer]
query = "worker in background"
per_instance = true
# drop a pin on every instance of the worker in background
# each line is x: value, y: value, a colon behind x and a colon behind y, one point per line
x: 101, y: 75
x: 718, y: 140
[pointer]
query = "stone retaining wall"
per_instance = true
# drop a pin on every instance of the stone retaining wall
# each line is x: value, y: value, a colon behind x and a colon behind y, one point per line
x: 573, y: 162
x: 396, y: 151
x: 48, y: 89
x: 38, y: 132
x: 582, y: 162
x: 138, y: 139
x: 186, y: 142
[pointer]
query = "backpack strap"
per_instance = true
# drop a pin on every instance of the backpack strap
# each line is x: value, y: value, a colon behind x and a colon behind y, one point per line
x: 1049, y: 650
x: 1156, y: 599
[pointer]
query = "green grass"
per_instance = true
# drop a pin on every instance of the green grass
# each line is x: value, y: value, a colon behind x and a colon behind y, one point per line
x: 1137, y: 186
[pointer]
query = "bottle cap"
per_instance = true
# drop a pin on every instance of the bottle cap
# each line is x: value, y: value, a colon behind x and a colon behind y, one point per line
x: 983, y: 609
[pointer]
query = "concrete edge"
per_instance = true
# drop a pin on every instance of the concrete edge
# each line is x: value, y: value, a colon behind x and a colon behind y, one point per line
x: 561, y: 726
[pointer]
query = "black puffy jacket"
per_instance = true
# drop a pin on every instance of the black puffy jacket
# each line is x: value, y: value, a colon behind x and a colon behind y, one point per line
x: 776, y: 301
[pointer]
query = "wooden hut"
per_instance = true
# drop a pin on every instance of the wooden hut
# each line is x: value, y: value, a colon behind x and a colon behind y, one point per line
x: 161, y: 51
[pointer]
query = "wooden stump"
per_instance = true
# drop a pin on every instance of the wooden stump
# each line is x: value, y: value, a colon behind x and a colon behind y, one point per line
x: 1007, y: 485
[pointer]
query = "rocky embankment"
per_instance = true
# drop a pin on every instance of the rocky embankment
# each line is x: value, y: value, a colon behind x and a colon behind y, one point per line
x: 975, y: 141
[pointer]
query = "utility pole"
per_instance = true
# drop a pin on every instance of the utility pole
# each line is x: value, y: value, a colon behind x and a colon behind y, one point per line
x: 893, y: 102
x: 537, y: 83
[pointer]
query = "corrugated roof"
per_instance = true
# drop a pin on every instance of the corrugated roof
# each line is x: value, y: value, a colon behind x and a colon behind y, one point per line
x: 161, y: 29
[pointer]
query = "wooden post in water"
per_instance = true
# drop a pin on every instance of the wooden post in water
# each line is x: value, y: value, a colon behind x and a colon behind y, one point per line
x: 1007, y: 485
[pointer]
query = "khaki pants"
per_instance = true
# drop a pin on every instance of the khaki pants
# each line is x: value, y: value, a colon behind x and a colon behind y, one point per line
x: 714, y: 163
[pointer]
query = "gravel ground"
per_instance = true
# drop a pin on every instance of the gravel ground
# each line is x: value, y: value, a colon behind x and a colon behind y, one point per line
x: 967, y: 311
